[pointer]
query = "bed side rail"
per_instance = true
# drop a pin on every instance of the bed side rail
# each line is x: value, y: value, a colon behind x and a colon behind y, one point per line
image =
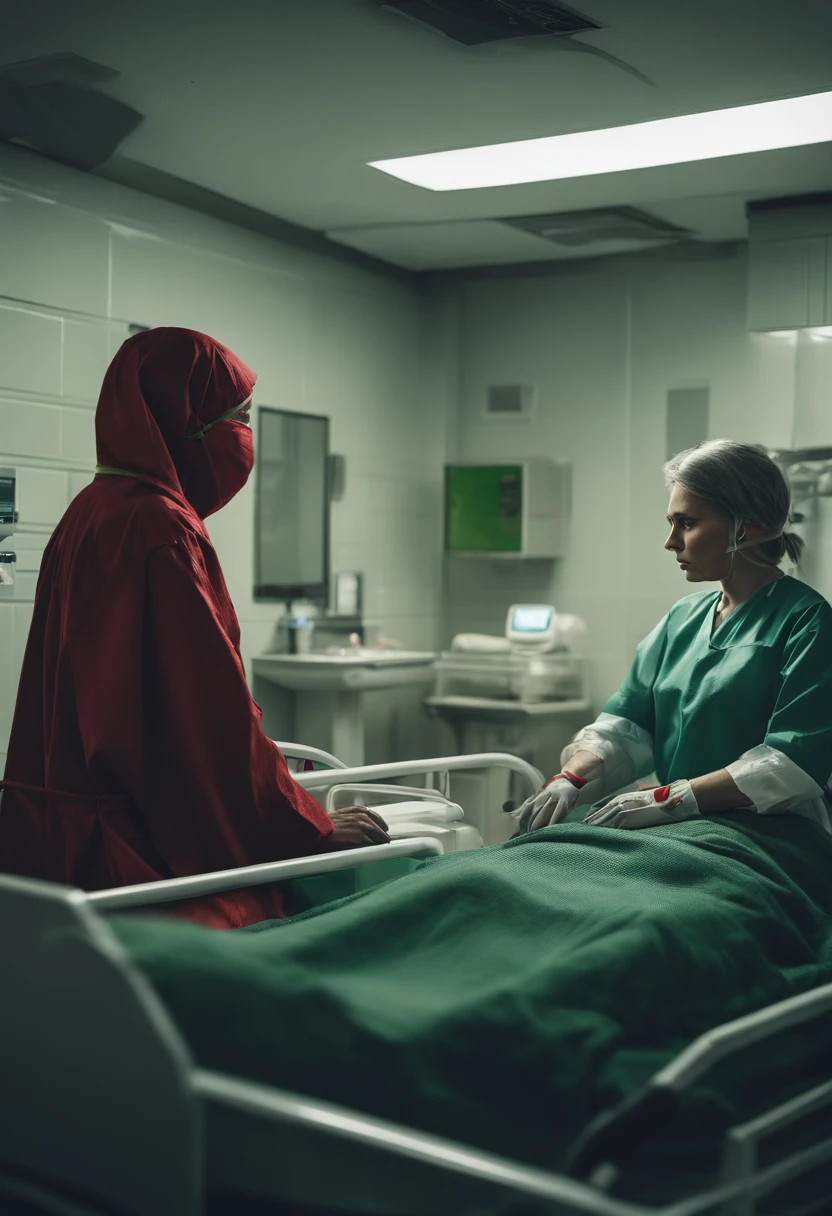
x: 603, y: 1148
x: 174, y: 889
x: 260, y: 1140
x: 436, y: 771
x: 299, y: 751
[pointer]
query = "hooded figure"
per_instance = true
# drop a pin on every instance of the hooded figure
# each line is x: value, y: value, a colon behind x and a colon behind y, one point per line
x: 136, y: 751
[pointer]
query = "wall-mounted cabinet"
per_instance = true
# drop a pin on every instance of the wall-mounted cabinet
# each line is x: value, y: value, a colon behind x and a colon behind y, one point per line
x: 790, y: 264
x: 788, y: 284
x: 507, y: 509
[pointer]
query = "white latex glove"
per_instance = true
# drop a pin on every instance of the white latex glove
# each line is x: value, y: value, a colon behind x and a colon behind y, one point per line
x: 553, y: 803
x: 645, y: 808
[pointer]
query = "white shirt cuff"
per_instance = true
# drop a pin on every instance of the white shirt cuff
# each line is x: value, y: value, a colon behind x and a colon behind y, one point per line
x: 772, y: 781
x: 625, y: 748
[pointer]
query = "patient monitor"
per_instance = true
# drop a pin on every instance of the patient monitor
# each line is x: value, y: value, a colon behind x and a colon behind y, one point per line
x: 531, y: 627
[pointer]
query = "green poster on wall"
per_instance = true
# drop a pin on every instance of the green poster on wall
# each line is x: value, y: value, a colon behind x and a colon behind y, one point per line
x: 484, y: 508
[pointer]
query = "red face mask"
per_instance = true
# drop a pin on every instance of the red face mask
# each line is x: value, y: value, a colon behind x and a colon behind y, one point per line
x: 216, y: 465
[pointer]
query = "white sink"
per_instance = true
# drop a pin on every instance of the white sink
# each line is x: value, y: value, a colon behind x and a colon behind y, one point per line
x: 348, y: 671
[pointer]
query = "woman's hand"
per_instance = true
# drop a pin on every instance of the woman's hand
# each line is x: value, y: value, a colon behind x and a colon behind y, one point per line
x: 354, y: 828
x: 551, y: 805
x: 645, y: 808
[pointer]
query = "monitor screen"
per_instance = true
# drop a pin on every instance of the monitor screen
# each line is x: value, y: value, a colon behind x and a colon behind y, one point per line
x: 531, y: 620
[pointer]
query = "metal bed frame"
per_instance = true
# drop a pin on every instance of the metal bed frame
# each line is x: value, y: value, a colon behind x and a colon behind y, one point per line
x: 105, y: 1111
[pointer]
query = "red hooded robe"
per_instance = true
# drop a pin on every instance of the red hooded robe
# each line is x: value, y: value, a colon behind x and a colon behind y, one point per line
x: 136, y: 751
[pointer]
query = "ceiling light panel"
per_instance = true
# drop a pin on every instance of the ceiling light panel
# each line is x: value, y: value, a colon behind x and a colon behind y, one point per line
x: 763, y: 127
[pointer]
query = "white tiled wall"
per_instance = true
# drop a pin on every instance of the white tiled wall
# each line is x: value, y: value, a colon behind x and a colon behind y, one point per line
x: 604, y: 344
x: 52, y: 253
x: 80, y: 259
x: 30, y: 350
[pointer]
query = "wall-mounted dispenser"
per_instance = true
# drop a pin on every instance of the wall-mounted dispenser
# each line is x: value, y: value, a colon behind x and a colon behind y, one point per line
x: 8, y: 520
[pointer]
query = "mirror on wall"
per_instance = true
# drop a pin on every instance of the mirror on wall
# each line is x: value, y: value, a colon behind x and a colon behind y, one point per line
x: 292, y: 507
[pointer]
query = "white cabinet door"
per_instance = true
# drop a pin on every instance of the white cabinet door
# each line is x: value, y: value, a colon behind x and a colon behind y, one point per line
x: 787, y: 283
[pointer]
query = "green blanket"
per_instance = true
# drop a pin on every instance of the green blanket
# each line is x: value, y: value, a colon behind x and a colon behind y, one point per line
x: 504, y: 996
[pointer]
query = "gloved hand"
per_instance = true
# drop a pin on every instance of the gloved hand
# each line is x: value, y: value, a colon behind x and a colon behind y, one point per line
x: 645, y: 808
x: 553, y: 803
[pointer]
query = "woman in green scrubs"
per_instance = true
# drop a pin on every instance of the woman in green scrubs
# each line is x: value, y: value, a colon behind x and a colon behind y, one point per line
x: 729, y: 699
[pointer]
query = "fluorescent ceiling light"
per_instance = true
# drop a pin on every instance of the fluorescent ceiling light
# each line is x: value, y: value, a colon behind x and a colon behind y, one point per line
x: 666, y: 141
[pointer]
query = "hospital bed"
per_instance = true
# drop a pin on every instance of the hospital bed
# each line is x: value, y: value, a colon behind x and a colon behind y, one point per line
x: 104, y: 1110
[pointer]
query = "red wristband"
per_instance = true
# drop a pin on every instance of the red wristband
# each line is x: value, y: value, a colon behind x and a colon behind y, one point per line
x: 578, y: 782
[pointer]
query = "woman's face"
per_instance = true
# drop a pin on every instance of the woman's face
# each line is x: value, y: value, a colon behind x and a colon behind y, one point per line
x: 698, y: 538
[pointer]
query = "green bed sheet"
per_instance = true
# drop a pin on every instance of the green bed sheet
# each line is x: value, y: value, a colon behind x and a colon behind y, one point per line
x: 504, y: 996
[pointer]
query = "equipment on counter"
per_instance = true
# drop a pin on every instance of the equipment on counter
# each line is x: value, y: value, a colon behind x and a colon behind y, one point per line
x: 8, y: 520
x: 535, y: 661
x: 520, y: 693
x: 300, y: 630
x: 509, y: 677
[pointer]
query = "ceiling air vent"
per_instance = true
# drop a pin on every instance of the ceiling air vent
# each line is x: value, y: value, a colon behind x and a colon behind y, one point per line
x: 512, y: 402
x: 575, y: 229
x: 52, y: 104
x: 474, y: 21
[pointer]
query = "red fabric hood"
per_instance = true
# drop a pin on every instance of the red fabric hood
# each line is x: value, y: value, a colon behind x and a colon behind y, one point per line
x: 163, y: 385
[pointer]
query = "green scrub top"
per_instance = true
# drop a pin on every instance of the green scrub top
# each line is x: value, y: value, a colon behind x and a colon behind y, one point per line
x: 764, y: 675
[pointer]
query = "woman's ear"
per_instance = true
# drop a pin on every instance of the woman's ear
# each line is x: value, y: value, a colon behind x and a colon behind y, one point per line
x: 753, y: 532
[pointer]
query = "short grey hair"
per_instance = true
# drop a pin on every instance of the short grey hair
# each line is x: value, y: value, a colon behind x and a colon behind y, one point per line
x: 740, y: 482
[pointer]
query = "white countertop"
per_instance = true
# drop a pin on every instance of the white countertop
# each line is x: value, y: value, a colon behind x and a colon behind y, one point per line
x: 364, y: 656
x: 505, y: 706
